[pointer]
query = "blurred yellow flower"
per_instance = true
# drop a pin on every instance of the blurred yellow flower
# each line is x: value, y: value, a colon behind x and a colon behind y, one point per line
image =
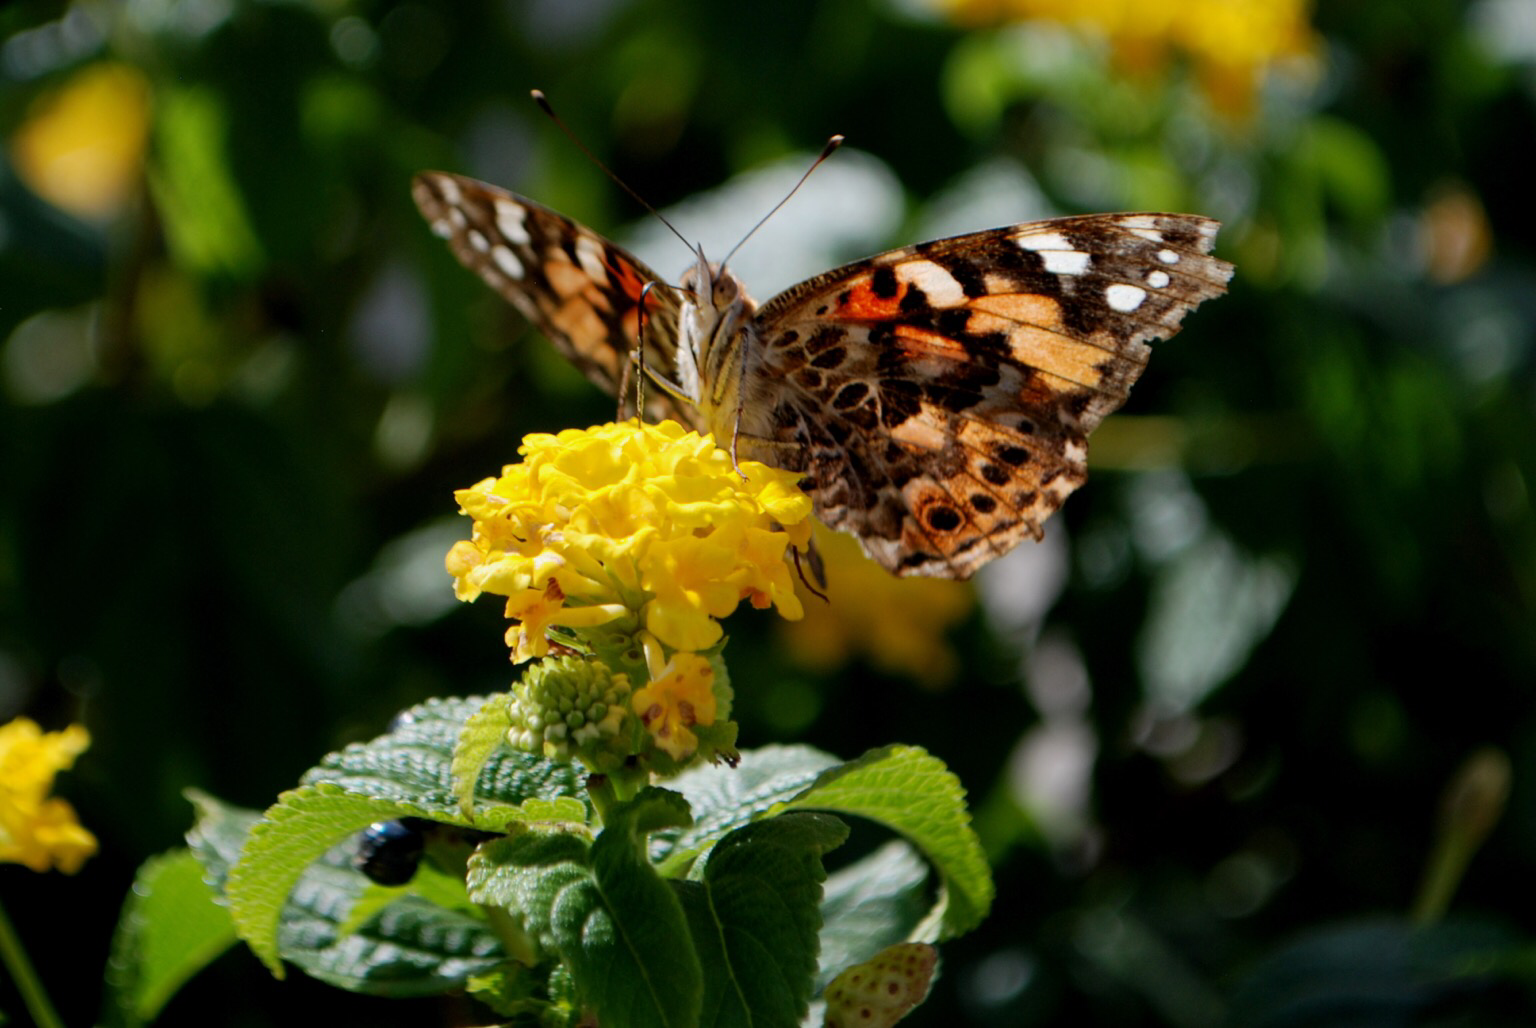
x: 1230, y: 43
x: 82, y: 146
x: 677, y: 699
x: 649, y: 521
x: 896, y: 624
x: 36, y: 829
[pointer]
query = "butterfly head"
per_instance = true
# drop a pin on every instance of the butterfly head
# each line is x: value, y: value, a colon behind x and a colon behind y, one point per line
x: 714, y: 310
x: 710, y: 285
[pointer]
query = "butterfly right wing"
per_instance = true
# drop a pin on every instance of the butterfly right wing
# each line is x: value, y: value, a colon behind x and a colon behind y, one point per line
x: 579, y: 289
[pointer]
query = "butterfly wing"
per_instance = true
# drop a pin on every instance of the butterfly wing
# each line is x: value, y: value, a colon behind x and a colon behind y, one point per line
x: 939, y: 397
x: 579, y: 289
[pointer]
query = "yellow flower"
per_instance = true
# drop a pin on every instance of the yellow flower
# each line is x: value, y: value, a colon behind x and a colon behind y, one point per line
x: 81, y: 147
x: 651, y: 522
x: 1230, y: 43
x: 677, y: 699
x: 35, y: 829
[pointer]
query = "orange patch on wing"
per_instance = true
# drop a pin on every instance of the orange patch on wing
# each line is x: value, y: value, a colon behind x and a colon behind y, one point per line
x: 1025, y: 308
x: 920, y: 342
x: 565, y: 278
x: 579, y: 321
x: 862, y: 304
x: 629, y: 282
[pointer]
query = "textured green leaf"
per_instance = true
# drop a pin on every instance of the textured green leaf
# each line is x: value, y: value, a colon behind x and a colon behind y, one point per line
x: 294, y: 833
x: 755, y: 914
x: 616, y: 924
x: 413, y: 765
x: 407, y: 772
x: 915, y: 795
x: 339, y: 927
x: 723, y: 799
x: 483, y: 734
x: 171, y: 927
x: 415, y: 946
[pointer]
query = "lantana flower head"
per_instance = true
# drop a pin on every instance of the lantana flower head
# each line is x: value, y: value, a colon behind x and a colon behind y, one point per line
x: 36, y: 829
x: 650, y: 523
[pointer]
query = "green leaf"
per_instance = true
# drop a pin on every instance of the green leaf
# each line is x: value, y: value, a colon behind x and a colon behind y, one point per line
x: 483, y: 733
x: 413, y: 765
x: 334, y: 926
x: 407, y: 772
x: 915, y: 795
x: 171, y: 927
x: 755, y: 916
x: 615, y: 923
x: 724, y: 799
x: 415, y: 946
x: 294, y: 833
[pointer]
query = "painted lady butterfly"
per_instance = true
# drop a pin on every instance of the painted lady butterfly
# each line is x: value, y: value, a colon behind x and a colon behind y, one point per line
x: 938, y: 398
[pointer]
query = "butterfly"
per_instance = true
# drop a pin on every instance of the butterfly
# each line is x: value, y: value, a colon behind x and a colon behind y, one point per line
x: 937, y: 399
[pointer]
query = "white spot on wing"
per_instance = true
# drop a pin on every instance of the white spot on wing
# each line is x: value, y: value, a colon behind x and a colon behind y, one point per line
x: 442, y: 229
x: 450, y: 190
x: 1044, y: 241
x: 937, y: 284
x: 1125, y: 298
x: 478, y: 240
x: 589, y: 254
x: 1167, y: 256
x: 511, y: 221
x: 456, y: 219
x: 1065, y: 262
x: 507, y: 261
x: 1157, y: 278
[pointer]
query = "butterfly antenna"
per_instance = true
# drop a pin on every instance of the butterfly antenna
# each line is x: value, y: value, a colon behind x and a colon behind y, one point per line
x: 826, y: 151
x: 545, y: 106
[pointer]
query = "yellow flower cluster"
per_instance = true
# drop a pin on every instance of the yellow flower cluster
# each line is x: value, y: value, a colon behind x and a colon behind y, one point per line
x: 36, y: 829
x: 651, y: 522
x: 1229, y: 42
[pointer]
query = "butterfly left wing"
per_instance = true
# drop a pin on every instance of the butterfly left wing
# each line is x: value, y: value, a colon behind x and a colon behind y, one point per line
x: 582, y: 291
x: 939, y: 397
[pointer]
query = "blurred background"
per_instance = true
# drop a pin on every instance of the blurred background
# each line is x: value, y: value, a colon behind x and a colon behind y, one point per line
x: 1207, y: 726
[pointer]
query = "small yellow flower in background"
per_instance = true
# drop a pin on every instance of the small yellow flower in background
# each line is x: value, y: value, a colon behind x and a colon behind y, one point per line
x: 678, y: 698
x: 651, y: 522
x: 81, y: 147
x: 896, y: 624
x: 36, y: 829
x: 1230, y: 43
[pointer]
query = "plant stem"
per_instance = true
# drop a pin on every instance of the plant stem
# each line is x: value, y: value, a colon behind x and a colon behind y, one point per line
x: 32, y: 994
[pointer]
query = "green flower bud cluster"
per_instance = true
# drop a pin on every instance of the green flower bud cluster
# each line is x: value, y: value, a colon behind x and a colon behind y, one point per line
x: 567, y: 707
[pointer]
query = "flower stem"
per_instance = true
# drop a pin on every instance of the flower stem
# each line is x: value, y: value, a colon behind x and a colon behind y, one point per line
x: 604, y: 796
x: 16, y: 962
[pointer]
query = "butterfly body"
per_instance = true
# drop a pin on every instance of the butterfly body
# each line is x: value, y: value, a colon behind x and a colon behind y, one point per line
x: 936, y: 398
